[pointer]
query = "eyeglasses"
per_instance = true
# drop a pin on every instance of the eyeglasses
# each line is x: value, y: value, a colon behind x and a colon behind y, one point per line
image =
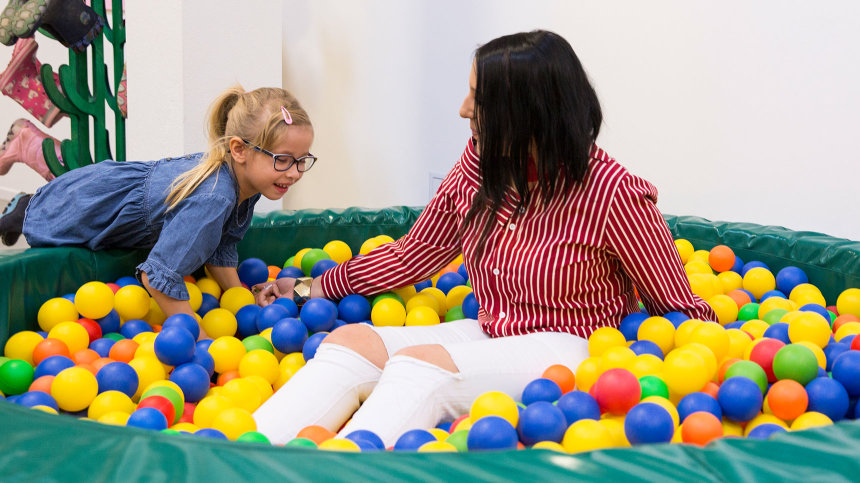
x: 283, y: 162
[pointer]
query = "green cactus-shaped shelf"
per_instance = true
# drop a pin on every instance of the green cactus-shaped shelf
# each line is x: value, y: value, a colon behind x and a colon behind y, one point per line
x: 75, y: 98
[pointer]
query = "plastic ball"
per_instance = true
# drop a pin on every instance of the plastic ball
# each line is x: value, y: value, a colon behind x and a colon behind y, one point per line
x: 413, y: 439
x: 117, y: 376
x: 31, y: 399
x: 388, y: 313
x: 616, y: 391
x: 603, y: 339
x: 220, y: 322
x: 160, y: 403
x: 829, y: 397
x: 470, y: 306
x: 369, y: 438
x: 246, y: 320
x: 795, y: 362
x: 587, y: 373
x: 51, y: 366
x: 149, y: 370
x: 47, y: 348
x: 94, y: 300
x: 749, y: 370
x: 309, y: 349
x: 449, y: 280
x: 495, y: 403
x: 54, y: 311
x: 810, y: 326
x: 437, y: 447
x: 110, y: 401
x: 684, y: 372
x: 338, y: 251
x: 561, y: 375
x: 269, y: 315
x: 658, y: 330
x: 586, y: 435
x: 765, y: 431
x: 629, y: 325
x: 758, y: 280
x: 74, y: 388
x: 172, y: 393
x: 131, y: 302
x: 147, y: 418
x: 259, y: 363
x: 721, y: 258
x: 685, y: 249
x: 234, y: 422
x: 253, y: 271
x: 740, y: 399
x: 131, y: 328
x: 73, y: 334
x: 253, y: 437
x: 174, y: 346
x: 698, y: 402
x: 353, y: 308
x: 648, y: 423
x: 235, y: 298
x: 193, y: 379
x: 491, y: 433
x: 456, y: 295
x: 701, y: 428
x: 848, y: 302
x: 541, y: 421
x: 21, y: 345
x: 290, y: 272
x: 806, y: 293
x: 846, y: 370
x: 227, y: 352
x: 15, y: 377
x: 810, y: 419
x: 541, y: 390
x: 318, y: 314
x: 454, y: 313
x: 289, y: 335
x: 421, y: 316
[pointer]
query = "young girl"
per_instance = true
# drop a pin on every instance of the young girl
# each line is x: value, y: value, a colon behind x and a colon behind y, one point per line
x: 554, y: 232
x: 191, y: 210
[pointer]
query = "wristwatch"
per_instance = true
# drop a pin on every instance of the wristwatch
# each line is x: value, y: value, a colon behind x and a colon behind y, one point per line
x: 302, y: 290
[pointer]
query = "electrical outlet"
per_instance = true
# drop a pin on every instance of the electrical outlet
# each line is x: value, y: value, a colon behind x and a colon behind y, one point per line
x: 435, y: 182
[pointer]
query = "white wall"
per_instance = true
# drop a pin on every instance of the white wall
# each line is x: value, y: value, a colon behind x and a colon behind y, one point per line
x: 736, y: 110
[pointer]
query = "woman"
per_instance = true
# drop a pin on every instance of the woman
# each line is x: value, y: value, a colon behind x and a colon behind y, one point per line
x: 554, y: 234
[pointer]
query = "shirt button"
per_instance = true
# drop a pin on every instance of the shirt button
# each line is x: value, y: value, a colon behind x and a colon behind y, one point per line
x: 495, y: 271
x: 512, y: 227
x: 502, y: 315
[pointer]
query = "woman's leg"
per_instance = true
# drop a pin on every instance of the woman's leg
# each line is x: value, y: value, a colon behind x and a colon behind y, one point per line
x: 415, y: 392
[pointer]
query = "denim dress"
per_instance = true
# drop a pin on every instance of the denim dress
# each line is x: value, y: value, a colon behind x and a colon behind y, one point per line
x: 121, y: 205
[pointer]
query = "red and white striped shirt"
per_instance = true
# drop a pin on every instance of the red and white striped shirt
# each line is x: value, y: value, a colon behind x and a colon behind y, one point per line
x: 569, y: 266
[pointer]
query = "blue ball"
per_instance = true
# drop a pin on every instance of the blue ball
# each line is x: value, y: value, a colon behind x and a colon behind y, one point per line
x: 772, y: 293
x: 740, y: 398
x: 541, y: 421
x: 253, y: 271
x: 37, y: 398
x: 353, y: 308
x: 193, y: 379
x: 829, y: 397
x: 462, y: 271
x: 790, y: 277
x: 127, y: 280
x: 445, y: 426
x: 778, y: 331
x: 422, y: 285
x: 289, y: 335
x: 203, y: 345
x: 210, y: 433
x: 147, y: 418
x: 322, y: 266
x: 491, y: 433
x: 764, y: 431
x: 749, y: 294
x: 204, y: 359
x: 70, y: 297
x: 269, y: 315
x: 209, y: 302
x: 51, y: 366
x: 337, y: 323
x: 753, y: 264
x: 310, y: 347
x: 832, y: 351
x: 290, y: 272
x: 648, y: 423
x: 174, y: 346
x: 110, y: 323
x: 133, y: 327
x: 188, y: 322
x: 698, y: 401
x: 646, y: 347
x: 818, y: 310
x: 734, y: 325
x: 117, y: 376
x: 738, y: 266
x: 246, y: 321
x: 371, y: 440
x: 630, y: 325
x: 846, y: 369
x: 677, y: 318
x: 470, y: 306
x: 449, y: 280
x: 318, y: 314
x: 102, y: 346
x: 576, y: 405
x: 413, y: 439
x: 287, y: 303
x: 541, y: 389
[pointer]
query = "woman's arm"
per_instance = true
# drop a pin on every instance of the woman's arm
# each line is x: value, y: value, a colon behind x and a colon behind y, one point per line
x: 227, y: 277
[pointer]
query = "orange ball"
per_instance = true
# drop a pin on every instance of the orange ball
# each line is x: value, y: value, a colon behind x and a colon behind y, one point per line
x: 123, y: 350
x: 711, y: 389
x: 721, y: 372
x: 274, y: 270
x: 49, y: 347
x: 842, y: 319
x: 317, y: 434
x: 42, y: 384
x: 701, y: 428
x: 85, y: 356
x: 561, y: 375
x: 787, y: 399
x: 740, y: 297
x: 101, y: 362
x: 226, y: 377
x: 721, y: 258
x: 189, y: 279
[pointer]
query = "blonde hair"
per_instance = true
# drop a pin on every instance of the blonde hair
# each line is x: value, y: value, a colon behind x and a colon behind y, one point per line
x: 255, y: 116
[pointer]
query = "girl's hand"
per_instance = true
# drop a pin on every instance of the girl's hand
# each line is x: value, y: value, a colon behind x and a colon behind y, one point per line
x: 265, y: 293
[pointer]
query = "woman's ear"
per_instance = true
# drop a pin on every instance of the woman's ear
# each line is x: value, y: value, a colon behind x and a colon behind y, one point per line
x: 238, y: 149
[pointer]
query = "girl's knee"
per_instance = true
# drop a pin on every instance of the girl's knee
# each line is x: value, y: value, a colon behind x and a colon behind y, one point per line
x: 432, y: 353
x: 361, y: 339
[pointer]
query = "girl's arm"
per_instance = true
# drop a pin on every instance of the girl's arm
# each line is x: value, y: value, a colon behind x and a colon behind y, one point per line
x: 227, y: 277
x: 169, y: 305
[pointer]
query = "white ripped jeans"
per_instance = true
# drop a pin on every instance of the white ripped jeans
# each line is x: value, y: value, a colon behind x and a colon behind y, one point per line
x: 410, y: 393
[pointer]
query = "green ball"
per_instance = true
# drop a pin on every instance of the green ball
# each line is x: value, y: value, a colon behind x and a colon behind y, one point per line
x: 458, y: 440
x: 653, y: 386
x: 311, y: 257
x: 301, y: 443
x: 750, y: 370
x: 774, y: 316
x: 832, y: 318
x: 387, y: 295
x: 114, y: 336
x: 289, y: 262
x: 255, y: 437
x: 15, y: 377
x: 3, y: 360
x: 748, y: 311
x: 170, y: 431
x: 253, y: 342
x: 795, y: 362
x: 454, y: 313
x: 174, y: 397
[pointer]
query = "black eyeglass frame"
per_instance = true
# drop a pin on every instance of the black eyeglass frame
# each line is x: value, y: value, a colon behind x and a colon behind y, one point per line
x: 276, y: 157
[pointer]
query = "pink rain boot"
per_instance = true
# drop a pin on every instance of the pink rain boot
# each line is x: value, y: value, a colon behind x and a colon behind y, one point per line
x: 121, y: 96
x: 22, y: 83
x: 24, y: 145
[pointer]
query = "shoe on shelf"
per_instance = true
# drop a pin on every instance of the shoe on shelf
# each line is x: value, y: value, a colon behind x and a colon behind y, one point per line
x: 71, y: 22
x: 21, y: 81
x: 24, y: 145
x: 12, y: 219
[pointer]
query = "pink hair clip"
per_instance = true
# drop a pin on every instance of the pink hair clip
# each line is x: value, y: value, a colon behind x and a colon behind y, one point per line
x: 287, y: 117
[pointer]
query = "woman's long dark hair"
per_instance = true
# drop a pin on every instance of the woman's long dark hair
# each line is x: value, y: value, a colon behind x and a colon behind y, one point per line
x: 532, y: 95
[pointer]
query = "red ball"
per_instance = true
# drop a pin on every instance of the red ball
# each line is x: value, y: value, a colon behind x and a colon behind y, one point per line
x: 617, y: 390
x: 188, y: 413
x: 763, y: 353
x: 855, y: 343
x: 94, y: 330
x: 114, y: 287
x: 162, y: 404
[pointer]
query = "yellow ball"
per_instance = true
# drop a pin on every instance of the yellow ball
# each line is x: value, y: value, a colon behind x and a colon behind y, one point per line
x: 195, y: 296
x: 297, y: 259
x: 110, y: 401
x: 696, y: 267
x: 810, y: 326
x: 455, y: 296
x: 658, y: 330
x: 587, y: 373
x: 235, y: 298
x: 714, y: 337
x: 369, y: 245
x: 73, y: 334
x: 45, y: 409
x: 145, y: 337
x: 234, y: 422
x: 819, y: 354
x: 705, y: 285
x: 586, y: 435
x: 550, y: 445
x: 685, y: 331
x: 725, y: 308
x: 131, y: 302
x: 227, y: 352
x: 243, y: 393
x: 685, y: 249
x: 441, y: 434
x: 423, y: 300
x: 219, y: 322
x: 148, y: 369
x: 759, y: 281
x: 665, y: 404
x: 388, y: 313
x: 848, y: 328
x: 495, y: 403
x: 155, y: 316
x: 773, y: 303
x: 615, y: 425
x: 186, y: 427
x: 21, y: 345
x: 810, y: 419
x: 264, y: 387
x: 618, y: 357
x: 685, y: 372
x: 296, y: 359
x: 806, y: 293
x: 210, y: 286
x: 165, y: 383
x: 437, y: 447
x: 731, y: 428
x: 848, y: 302
x: 115, y: 418
x: 645, y: 365
x: 422, y: 316
x: 338, y: 251
x: 763, y: 419
x: 730, y: 281
x: 603, y: 339
x: 738, y: 342
x: 74, y: 388
x: 338, y: 444
x: 706, y: 354
x: 384, y: 238
x: 259, y: 362
x: 406, y: 293
x: 54, y: 311
x: 700, y: 256
x: 208, y: 408
x: 440, y: 297
x: 755, y: 327
x: 94, y: 300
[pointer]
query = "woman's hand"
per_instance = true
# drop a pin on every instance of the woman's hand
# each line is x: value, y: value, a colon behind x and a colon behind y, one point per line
x: 265, y: 293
